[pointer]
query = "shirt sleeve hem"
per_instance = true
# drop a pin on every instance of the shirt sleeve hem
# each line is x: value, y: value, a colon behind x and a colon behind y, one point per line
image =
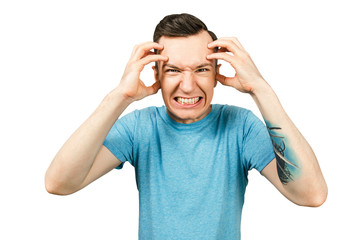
x: 118, y: 155
x: 265, y: 163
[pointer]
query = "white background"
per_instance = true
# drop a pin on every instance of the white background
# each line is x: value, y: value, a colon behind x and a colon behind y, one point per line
x: 58, y: 59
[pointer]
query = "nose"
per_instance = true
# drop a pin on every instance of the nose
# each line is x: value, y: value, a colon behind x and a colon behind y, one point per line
x: 188, y: 82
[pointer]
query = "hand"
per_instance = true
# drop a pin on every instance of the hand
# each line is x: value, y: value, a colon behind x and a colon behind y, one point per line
x: 131, y: 85
x: 247, y: 77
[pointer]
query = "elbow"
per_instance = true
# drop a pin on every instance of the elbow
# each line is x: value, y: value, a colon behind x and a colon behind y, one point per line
x: 316, y: 202
x: 54, y: 187
x: 320, y: 196
x: 315, y: 199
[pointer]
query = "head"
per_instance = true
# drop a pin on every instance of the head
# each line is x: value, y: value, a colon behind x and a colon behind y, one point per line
x: 180, y: 25
x: 188, y: 78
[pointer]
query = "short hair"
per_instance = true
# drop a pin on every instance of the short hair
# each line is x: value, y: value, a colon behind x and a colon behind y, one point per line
x: 180, y: 25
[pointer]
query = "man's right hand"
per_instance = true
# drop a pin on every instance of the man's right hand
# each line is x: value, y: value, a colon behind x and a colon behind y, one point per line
x: 83, y: 158
x: 131, y: 85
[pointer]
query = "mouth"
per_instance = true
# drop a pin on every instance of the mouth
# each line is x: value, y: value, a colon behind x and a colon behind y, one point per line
x: 188, y: 101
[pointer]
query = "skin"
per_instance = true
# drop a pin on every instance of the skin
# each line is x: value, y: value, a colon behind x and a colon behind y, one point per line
x: 82, y: 160
x: 186, y: 69
x: 309, y: 187
x: 187, y: 74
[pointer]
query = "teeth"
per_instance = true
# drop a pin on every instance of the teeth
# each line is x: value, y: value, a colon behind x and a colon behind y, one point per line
x: 187, y: 100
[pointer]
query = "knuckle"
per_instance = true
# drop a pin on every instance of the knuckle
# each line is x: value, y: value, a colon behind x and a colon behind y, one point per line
x: 136, y: 47
x: 246, y: 54
x: 133, y: 66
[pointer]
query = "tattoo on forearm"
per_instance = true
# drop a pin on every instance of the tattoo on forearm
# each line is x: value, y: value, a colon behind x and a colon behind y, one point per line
x: 286, y: 169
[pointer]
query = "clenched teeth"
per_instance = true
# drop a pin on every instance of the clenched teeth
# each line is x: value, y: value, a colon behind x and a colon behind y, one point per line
x: 187, y: 100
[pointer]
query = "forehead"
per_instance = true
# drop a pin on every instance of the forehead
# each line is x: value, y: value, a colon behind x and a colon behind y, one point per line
x: 186, y: 51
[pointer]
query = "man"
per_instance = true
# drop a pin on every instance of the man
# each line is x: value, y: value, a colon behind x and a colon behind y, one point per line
x: 191, y: 157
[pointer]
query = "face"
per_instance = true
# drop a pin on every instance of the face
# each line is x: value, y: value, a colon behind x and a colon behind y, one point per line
x: 188, y: 78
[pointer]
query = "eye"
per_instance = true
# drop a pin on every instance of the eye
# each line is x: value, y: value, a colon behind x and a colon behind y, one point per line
x: 202, y: 70
x: 171, y: 70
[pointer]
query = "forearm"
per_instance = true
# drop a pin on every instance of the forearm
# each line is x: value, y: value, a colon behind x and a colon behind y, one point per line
x: 74, y: 160
x: 297, y: 166
x: 299, y: 175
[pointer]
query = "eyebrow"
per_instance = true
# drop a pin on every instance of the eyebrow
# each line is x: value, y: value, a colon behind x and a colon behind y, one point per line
x: 169, y: 65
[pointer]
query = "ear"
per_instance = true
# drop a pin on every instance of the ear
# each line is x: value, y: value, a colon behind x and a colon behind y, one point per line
x: 156, y: 73
x: 217, y: 73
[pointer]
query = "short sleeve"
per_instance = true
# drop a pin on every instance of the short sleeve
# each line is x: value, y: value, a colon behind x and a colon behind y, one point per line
x: 120, y: 139
x: 257, y: 147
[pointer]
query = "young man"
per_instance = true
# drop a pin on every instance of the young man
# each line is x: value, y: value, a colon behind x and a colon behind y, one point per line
x: 191, y: 157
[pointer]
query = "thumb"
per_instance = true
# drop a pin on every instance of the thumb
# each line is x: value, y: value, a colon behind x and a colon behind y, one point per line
x: 153, y: 88
x: 223, y: 79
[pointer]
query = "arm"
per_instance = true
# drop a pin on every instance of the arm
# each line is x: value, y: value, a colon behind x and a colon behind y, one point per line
x: 83, y: 158
x: 295, y: 171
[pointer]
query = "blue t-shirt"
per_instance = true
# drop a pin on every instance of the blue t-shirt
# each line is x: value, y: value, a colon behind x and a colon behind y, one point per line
x: 191, y: 177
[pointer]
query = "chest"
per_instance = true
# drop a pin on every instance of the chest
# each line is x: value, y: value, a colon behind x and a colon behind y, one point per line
x: 194, y: 159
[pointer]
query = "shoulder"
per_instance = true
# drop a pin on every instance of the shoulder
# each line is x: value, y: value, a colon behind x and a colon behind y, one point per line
x: 231, y: 112
x: 148, y: 113
x: 237, y: 117
x: 141, y: 113
x: 138, y: 117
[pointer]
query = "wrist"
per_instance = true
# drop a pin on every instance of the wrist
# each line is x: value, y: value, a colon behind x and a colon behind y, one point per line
x: 267, y: 102
x: 116, y: 101
x: 262, y: 89
x: 120, y: 96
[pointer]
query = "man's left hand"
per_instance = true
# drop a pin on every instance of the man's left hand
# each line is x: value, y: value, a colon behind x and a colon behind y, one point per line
x: 247, y: 77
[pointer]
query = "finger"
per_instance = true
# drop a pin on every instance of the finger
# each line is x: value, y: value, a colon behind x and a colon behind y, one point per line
x: 222, y: 50
x: 226, y: 44
x: 149, y: 53
x: 144, y: 49
x: 153, y: 58
x: 224, y: 80
x: 235, y: 40
x: 153, y: 88
x: 223, y: 56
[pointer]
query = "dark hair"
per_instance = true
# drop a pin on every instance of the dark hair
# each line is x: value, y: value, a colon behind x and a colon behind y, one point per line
x: 180, y: 25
